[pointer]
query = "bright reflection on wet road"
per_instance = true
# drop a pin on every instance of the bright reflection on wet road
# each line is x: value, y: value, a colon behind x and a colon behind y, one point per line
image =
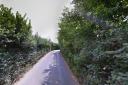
x: 50, y: 70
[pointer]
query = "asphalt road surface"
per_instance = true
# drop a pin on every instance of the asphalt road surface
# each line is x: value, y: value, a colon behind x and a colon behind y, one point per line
x: 50, y: 70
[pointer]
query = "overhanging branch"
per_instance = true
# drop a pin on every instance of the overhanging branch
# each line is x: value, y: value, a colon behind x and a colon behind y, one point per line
x: 95, y: 20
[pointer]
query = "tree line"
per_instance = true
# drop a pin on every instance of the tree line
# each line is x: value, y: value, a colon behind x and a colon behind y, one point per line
x: 93, y: 38
x: 16, y: 32
x: 19, y: 49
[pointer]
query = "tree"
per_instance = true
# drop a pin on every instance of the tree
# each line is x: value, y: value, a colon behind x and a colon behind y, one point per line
x: 92, y: 51
x: 14, y: 29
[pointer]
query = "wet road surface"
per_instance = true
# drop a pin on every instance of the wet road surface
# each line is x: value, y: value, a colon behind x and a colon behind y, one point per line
x: 50, y: 70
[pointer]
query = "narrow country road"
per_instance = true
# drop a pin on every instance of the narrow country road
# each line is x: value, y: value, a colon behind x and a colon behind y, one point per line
x: 50, y: 70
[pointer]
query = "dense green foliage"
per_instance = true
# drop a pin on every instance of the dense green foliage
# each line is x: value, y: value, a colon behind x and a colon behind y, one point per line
x: 19, y: 49
x: 97, y: 56
x: 14, y: 29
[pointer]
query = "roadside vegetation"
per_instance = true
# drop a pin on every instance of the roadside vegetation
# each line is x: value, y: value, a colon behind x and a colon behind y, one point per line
x: 93, y: 38
x: 19, y: 49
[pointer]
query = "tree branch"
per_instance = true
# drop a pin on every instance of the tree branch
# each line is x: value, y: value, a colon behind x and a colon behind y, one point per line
x: 93, y: 19
x: 115, y: 52
x: 119, y: 50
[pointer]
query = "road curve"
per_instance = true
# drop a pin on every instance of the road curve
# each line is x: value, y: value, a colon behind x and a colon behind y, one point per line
x: 50, y: 70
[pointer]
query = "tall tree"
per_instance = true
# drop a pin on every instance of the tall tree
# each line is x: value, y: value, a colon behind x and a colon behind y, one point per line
x: 94, y: 52
x: 14, y: 29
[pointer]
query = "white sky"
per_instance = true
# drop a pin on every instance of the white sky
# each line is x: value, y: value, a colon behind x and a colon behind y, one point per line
x: 44, y: 14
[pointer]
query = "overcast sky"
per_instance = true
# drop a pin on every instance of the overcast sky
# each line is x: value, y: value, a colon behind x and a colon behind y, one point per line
x: 44, y: 14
